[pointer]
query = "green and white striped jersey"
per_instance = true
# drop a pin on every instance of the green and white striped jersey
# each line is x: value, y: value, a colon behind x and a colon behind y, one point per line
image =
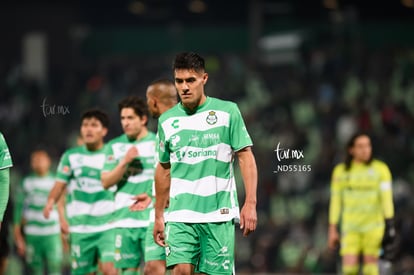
x: 138, y: 178
x: 89, y: 206
x: 5, y: 158
x: 200, y: 147
x: 30, y: 200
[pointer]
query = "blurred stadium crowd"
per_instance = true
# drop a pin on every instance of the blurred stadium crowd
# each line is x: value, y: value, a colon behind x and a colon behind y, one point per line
x: 312, y: 106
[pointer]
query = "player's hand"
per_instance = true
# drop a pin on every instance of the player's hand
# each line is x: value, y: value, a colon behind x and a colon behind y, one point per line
x: 19, y: 241
x: 48, y: 208
x: 131, y: 154
x: 64, y: 226
x: 389, y: 241
x: 158, y: 232
x: 333, y: 237
x: 141, y: 202
x: 248, y: 219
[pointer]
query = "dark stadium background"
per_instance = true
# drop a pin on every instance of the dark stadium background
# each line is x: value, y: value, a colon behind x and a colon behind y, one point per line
x: 304, y: 73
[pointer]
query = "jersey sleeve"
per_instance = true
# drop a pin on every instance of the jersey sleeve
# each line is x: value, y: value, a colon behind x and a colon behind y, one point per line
x: 386, y: 191
x: 18, y: 204
x: 162, y: 146
x: 5, y: 158
x: 64, y: 171
x: 4, y: 190
x: 335, y: 195
x: 239, y: 137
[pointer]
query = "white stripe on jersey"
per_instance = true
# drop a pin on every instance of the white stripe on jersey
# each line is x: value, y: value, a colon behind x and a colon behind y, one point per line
x: 131, y: 223
x: 206, y: 186
x: 42, y: 230
x: 76, y: 208
x: 145, y: 149
x: 96, y: 161
x: 90, y: 228
x: 194, y: 155
x: 37, y: 216
x: 197, y: 217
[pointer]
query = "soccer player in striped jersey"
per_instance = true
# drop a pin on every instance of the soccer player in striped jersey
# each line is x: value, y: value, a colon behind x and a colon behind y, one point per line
x: 89, y: 207
x: 198, y: 141
x: 5, y: 164
x: 130, y: 167
x: 41, y: 244
x: 161, y: 96
x: 361, y: 203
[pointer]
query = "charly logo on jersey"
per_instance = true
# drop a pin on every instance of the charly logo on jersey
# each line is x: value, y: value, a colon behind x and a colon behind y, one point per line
x: 211, y: 118
x: 174, y: 124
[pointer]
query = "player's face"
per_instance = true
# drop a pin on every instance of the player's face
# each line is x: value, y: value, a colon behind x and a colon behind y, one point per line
x: 92, y: 131
x: 40, y: 162
x: 190, y: 87
x: 152, y: 103
x: 132, y: 124
x: 362, y: 149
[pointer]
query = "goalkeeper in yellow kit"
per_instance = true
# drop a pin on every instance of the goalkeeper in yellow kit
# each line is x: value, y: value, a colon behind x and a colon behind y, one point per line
x: 361, y: 205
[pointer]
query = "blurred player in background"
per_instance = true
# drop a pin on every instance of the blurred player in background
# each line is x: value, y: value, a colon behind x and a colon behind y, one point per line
x: 5, y: 164
x: 362, y: 204
x: 161, y: 96
x: 130, y: 167
x: 198, y: 141
x: 41, y: 243
x: 89, y: 206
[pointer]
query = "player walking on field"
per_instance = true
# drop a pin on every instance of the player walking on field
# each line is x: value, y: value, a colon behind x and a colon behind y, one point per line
x: 361, y: 204
x: 130, y: 167
x: 41, y: 242
x: 90, y: 207
x: 198, y: 140
x: 161, y: 96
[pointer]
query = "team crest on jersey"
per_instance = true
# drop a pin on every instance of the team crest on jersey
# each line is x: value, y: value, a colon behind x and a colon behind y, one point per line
x: 211, y: 118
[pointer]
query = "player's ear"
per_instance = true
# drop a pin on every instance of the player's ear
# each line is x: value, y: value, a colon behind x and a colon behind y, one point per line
x: 144, y: 120
x: 104, y: 131
x: 205, y: 78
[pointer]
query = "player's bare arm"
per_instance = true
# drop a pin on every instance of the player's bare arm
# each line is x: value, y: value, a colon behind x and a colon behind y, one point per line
x: 248, y: 214
x: 162, y: 191
x: 64, y: 225
x: 54, y: 196
x: 111, y: 178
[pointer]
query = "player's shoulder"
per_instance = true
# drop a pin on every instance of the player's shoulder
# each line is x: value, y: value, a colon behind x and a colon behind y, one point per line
x: 223, y: 104
x: 173, y: 111
x: 379, y: 164
x: 339, y: 167
x: 119, y: 139
x: 74, y: 150
x: 152, y: 135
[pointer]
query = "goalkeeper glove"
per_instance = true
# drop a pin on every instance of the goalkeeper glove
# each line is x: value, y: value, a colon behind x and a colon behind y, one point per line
x: 389, y: 241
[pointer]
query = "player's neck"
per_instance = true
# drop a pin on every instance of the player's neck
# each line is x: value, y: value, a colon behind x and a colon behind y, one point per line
x: 143, y: 133
x: 94, y: 146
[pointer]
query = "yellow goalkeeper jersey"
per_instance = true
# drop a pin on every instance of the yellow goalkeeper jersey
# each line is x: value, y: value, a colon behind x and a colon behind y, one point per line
x: 361, y: 197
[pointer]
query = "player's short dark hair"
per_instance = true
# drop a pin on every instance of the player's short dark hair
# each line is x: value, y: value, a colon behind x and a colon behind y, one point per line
x: 139, y: 106
x: 190, y: 61
x: 98, y: 114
